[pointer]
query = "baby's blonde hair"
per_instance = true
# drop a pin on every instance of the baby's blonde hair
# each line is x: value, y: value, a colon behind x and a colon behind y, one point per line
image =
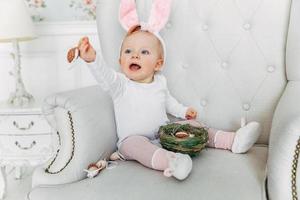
x: 138, y: 28
x: 133, y: 29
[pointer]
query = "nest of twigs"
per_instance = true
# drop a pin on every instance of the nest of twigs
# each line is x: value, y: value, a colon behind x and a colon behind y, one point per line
x: 183, y: 138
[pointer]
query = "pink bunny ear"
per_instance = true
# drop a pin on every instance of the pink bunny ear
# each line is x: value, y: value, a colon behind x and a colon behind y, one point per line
x: 127, y: 14
x: 159, y: 14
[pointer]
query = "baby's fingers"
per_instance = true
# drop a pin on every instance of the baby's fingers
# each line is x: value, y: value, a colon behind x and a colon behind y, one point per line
x: 83, y: 40
x: 194, y: 112
x: 191, y: 114
x: 85, y: 48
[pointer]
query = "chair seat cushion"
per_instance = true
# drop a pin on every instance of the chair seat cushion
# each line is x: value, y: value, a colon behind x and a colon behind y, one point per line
x: 217, y: 174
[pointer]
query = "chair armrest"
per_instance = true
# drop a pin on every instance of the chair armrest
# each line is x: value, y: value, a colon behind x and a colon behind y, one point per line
x: 285, y: 145
x: 84, y: 122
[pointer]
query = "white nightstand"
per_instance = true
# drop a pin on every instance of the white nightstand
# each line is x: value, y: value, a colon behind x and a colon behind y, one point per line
x: 25, y: 139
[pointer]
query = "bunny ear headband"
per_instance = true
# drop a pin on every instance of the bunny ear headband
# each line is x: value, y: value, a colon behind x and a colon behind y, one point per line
x: 159, y: 15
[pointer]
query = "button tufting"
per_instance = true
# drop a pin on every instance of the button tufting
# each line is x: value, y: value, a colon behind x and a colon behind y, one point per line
x: 204, y: 27
x: 246, y: 106
x: 168, y: 25
x: 203, y: 102
x: 247, y: 26
x: 184, y: 66
x: 271, y: 68
x: 224, y: 65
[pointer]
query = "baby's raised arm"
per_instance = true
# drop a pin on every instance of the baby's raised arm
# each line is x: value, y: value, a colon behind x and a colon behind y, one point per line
x: 106, y: 76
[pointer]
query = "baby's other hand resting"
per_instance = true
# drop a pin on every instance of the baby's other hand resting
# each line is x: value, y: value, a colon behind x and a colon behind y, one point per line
x: 87, y: 52
x: 191, y: 113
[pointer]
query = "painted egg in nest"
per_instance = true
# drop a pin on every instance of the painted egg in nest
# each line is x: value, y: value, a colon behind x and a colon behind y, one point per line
x: 181, y: 134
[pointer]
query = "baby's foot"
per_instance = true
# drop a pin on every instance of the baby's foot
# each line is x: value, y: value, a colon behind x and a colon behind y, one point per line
x: 246, y: 137
x: 180, y: 165
x: 94, y: 168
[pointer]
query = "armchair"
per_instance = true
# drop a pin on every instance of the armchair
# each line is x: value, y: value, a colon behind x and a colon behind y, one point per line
x: 228, y: 59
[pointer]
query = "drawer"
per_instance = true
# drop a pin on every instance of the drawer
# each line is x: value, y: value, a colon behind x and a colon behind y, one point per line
x: 23, y: 124
x: 23, y: 146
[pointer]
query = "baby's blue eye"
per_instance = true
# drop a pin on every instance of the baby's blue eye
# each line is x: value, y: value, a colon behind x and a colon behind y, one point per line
x: 127, y: 51
x: 145, y: 52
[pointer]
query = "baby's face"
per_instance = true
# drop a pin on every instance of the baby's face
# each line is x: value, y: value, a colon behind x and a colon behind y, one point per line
x: 141, y: 56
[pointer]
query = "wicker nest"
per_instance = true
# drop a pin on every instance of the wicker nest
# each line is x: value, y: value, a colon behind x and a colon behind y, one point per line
x: 183, y: 138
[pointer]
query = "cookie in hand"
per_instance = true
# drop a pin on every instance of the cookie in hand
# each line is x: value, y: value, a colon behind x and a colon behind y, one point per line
x: 73, y: 54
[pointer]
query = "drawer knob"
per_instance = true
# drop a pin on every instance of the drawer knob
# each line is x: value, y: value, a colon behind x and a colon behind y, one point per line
x: 23, y: 128
x: 25, y: 148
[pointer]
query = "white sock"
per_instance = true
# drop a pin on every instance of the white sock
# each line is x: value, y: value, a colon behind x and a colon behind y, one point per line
x: 180, y: 166
x: 246, y: 137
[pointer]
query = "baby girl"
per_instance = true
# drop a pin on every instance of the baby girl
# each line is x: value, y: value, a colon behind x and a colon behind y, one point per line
x: 142, y: 100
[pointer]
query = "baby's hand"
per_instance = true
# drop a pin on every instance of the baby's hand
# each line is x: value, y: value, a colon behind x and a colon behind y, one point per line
x: 87, y: 52
x: 191, y: 113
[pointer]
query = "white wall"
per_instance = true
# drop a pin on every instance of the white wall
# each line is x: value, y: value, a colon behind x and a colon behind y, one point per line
x: 43, y: 62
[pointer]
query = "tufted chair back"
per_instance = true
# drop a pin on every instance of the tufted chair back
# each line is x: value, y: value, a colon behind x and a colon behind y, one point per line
x: 226, y: 58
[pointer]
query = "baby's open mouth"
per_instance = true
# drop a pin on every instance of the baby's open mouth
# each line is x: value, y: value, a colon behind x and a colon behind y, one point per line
x: 134, y: 67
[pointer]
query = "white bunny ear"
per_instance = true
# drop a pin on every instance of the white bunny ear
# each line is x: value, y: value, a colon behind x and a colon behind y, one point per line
x: 159, y: 14
x: 127, y: 14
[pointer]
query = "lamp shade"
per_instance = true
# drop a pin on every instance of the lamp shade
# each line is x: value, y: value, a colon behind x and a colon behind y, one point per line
x: 15, y: 21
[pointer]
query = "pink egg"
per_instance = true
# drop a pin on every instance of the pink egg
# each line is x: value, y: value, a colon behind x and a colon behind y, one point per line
x: 181, y: 134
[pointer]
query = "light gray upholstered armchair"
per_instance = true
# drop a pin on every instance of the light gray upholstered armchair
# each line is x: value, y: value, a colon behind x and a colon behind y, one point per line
x: 227, y: 58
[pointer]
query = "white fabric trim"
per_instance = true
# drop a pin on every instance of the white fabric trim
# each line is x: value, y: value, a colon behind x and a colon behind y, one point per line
x: 215, y: 138
x: 154, y: 154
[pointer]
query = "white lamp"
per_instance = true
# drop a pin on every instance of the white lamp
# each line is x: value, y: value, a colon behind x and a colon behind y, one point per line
x: 16, y: 25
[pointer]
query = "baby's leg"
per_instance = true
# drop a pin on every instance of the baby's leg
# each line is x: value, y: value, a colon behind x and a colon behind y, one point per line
x: 140, y: 148
x: 216, y: 138
x: 238, y: 142
x: 220, y: 139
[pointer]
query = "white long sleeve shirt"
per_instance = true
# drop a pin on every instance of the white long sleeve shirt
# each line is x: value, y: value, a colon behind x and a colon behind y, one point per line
x: 140, y: 108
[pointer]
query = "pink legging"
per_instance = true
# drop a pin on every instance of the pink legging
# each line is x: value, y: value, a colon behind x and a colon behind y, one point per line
x: 141, y: 149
